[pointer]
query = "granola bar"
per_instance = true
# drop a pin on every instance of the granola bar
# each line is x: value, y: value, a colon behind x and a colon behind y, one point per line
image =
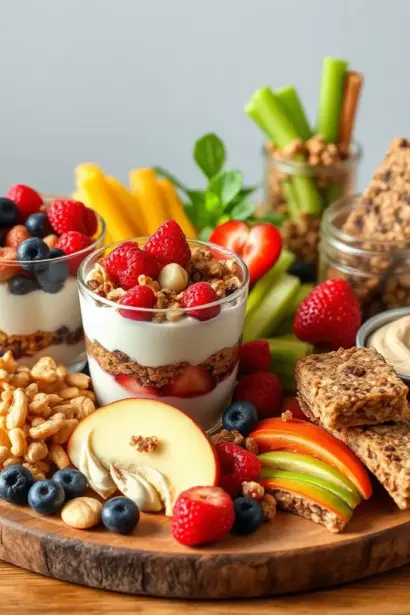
x: 351, y: 387
x: 301, y: 506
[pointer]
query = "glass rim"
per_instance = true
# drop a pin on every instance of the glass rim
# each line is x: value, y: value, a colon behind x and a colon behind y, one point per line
x: 114, y: 304
x: 298, y: 167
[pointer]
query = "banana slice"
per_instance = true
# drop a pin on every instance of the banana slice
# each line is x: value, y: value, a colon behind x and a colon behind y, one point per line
x: 137, y: 488
x: 97, y: 476
x: 161, y: 484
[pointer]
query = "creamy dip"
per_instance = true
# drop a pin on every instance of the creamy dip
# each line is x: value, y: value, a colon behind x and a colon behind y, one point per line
x: 393, y: 342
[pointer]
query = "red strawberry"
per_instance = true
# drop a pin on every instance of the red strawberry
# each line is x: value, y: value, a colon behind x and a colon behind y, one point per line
x: 28, y: 201
x: 68, y: 215
x: 330, y: 314
x: 254, y: 357
x: 201, y: 515
x: 169, y: 245
x: 73, y: 242
x: 139, y: 296
x: 132, y: 386
x: 259, y: 246
x: 199, y: 294
x: 192, y: 382
x: 263, y: 390
x: 291, y: 404
x: 236, y: 466
x: 16, y: 235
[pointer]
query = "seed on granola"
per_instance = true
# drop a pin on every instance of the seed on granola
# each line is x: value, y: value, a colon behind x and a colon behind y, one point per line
x: 144, y: 444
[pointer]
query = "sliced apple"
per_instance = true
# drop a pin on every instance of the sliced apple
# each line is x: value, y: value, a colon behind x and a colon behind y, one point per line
x: 184, y: 454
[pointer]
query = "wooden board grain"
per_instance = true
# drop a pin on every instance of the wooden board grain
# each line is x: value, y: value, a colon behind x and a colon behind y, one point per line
x: 287, y: 555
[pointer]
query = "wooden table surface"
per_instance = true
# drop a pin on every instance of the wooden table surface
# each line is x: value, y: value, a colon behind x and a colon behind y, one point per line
x: 30, y: 594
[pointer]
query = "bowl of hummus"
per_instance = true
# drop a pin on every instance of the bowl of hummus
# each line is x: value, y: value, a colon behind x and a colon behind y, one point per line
x: 389, y: 333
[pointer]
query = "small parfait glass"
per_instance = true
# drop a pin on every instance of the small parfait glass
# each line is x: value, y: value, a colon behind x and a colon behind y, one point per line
x: 169, y: 356
x: 40, y: 311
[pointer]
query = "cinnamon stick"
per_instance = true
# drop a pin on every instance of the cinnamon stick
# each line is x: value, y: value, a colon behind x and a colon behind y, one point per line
x: 351, y: 94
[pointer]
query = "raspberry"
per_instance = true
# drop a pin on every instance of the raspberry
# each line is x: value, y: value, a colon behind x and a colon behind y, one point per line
x: 199, y: 294
x: 16, y: 235
x: 263, y: 390
x: 68, y: 215
x: 237, y: 465
x: 73, y: 242
x: 90, y: 221
x: 139, y: 296
x: 28, y: 201
x: 169, y: 245
x: 117, y: 260
x: 254, y: 356
x: 330, y: 314
x: 201, y: 515
x: 127, y: 262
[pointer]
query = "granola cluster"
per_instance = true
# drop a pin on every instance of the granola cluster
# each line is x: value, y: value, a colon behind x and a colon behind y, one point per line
x: 302, y: 236
x: 29, y: 345
x: 39, y: 410
x: 144, y: 444
x: 236, y: 438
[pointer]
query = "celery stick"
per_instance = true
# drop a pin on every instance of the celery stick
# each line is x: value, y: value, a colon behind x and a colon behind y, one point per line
x: 333, y: 193
x: 284, y: 353
x: 285, y: 326
x: 262, y: 286
x: 291, y: 199
x: 307, y: 195
x: 303, y: 292
x: 331, y: 97
x: 274, y: 306
x: 290, y: 101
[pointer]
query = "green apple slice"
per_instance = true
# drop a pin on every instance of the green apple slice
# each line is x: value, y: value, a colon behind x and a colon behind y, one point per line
x: 263, y: 285
x: 345, y: 494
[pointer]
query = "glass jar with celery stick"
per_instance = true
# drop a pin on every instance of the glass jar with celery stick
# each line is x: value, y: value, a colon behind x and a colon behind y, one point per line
x: 307, y: 169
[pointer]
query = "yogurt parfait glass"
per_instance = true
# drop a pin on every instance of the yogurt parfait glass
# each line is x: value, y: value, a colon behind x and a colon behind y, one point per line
x: 168, y: 355
x: 39, y: 306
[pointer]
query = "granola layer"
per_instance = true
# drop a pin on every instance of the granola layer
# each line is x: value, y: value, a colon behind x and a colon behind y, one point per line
x: 351, y: 387
x: 29, y: 345
x: 301, y: 506
x: 218, y: 365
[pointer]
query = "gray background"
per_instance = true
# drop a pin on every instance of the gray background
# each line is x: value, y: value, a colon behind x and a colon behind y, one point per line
x: 133, y: 82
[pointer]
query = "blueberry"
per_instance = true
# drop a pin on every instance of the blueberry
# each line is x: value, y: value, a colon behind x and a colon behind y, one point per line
x: 120, y: 515
x: 52, y: 276
x: 46, y: 497
x: 33, y: 249
x: 306, y: 272
x: 15, y: 483
x: 72, y: 481
x: 248, y: 515
x: 240, y: 416
x: 8, y: 212
x: 21, y: 285
x: 38, y: 225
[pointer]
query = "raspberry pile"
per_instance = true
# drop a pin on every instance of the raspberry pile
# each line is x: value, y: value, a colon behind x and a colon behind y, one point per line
x: 31, y: 232
x: 164, y: 274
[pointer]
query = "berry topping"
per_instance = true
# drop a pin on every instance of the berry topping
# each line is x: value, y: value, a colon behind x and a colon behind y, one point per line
x: 16, y: 235
x: 140, y: 296
x: 169, y: 245
x: 193, y: 381
x: 120, y: 515
x: 8, y: 212
x: 67, y: 215
x: 15, y: 483
x: 21, y: 285
x: 254, y: 356
x: 200, y: 294
x: 237, y: 465
x: 73, y: 242
x: 28, y: 201
x: 38, y: 225
x: 118, y: 259
x: 90, y: 221
x: 138, y: 263
x: 46, y: 497
x: 330, y: 314
x: 31, y: 250
x: 52, y: 277
x: 240, y: 416
x: 202, y: 515
x: 8, y: 270
x: 263, y: 390
x: 248, y: 515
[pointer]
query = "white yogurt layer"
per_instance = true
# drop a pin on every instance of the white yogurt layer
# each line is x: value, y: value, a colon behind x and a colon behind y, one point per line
x: 39, y: 311
x: 73, y: 356
x: 155, y: 344
x: 204, y: 409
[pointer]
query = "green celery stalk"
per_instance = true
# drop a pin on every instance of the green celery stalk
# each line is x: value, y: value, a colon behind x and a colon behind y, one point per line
x: 285, y: 260
x: 291, y: 199
x: 263, y: 319
x: 290, y: 101
x: 331, y: 98
x: 285, y: 326
x: 285, y: 352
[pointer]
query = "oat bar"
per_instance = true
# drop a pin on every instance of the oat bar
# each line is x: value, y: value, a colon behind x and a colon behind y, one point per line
x: 351, y: 387
x: 301, y: 506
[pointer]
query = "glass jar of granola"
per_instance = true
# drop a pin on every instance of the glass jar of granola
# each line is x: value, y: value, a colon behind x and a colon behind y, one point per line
x: 304, y: 189
x: 378, y: 271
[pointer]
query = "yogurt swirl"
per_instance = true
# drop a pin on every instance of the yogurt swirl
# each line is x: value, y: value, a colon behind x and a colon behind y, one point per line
x: 393, y: 342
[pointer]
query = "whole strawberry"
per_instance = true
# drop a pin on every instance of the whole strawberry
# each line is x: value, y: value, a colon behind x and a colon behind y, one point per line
x: 329, y: 315
x: 237, y: 465
x: 202, y: 515
x: 28, y: 201
x: 197, y: 295
x: 169, y: 245
x: 263, y: 390
x: 68, y: 215
x: 254, y: 356
x: 73, y: 242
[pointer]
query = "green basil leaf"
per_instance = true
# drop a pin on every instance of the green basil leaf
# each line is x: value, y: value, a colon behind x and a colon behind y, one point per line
x: 226, y: 186
x: 160, y: 172
x: 205, y: 233
x: 271, y: 217
x: 247, y: 190
x: 243, y: 210
x: 223, y: 219
x: 197, y: 197
x: 209, y: 154
x: 213, y: 203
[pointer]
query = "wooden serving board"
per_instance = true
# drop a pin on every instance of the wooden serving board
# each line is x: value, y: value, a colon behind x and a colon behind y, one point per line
x: 286, y: 555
